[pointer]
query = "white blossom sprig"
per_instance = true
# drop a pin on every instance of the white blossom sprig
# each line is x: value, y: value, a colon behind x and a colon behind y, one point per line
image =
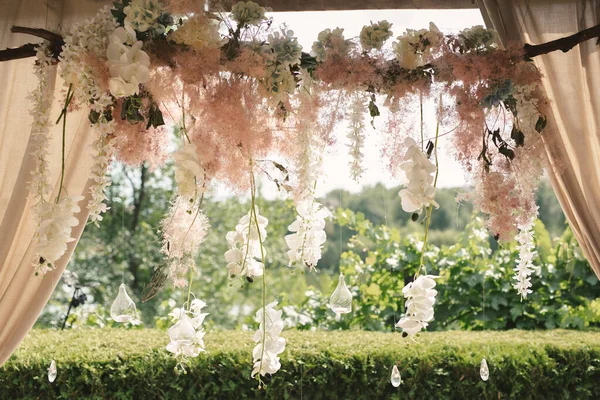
x: 356, y: 135
x: 41, y: 100
x: 56, y: 220
x: 420, y: 298
x: 246, y: 250
x: 375, y: 35
x: 187, y: 334
x: 420, y: 188
x: 306, y: 241
x: 269, y: 345
x: 525, y: 267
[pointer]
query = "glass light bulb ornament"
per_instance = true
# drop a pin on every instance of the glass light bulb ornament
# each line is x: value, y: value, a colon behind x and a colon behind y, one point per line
x: 183, y: 332
x: 484, y: 370
x: 396, y: 379
x: 123, y: 308
x: 52, y: 372
x: 340, y: 301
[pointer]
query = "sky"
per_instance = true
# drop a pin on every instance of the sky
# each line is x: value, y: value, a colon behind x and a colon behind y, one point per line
x: 307, y: 25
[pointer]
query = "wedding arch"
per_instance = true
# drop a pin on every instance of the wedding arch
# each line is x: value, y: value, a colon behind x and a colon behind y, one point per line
x: 246, y: 100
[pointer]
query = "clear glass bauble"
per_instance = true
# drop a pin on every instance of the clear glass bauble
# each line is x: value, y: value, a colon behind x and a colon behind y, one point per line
x: 484, y: 370
x: 396, y: 379
x: 123, y: 308
x: 52, y: 372
x: 340, y: 301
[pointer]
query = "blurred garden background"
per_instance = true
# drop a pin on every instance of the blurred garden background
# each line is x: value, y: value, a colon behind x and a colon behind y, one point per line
x: 377, y: 249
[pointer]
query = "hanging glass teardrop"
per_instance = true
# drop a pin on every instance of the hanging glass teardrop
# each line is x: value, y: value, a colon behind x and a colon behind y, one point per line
x: 52, y: 371
x: 183, y: 331
x: 396, y: 378
x: 484, y: 371
x: 340, y: 301
x: 123, y: 308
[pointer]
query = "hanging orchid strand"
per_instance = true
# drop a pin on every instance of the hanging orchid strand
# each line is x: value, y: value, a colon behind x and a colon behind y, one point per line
x: 264, y: 279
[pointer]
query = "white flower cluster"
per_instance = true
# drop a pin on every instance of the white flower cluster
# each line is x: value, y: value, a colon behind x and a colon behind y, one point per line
x: 375, y: 35
x: 199, y: 32
x: 88, y: 38
x: 420, y: 298
x: 285, y: 47
x: 56, y: 221
x: 269, y: 344
x: 248, y: 13
x: 356, y: 134
x: 127, y: 62
x: 189, y: 173
x: 419, y: 170
x: 41, y: 100
x: 308, y: 237
x: 99, y: 173
x: 525, y: 265
x: 186, y: 334
x: 415, y: 48
x: 92, y: 38
x: 527, y: 104
x: 142, y: 14
x: 246, y: 250
x: 330, y: 43
x: 478, y: 38
x: 183, y: 229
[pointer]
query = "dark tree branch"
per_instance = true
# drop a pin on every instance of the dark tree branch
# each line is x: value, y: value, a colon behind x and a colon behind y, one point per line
x: 25, y: 51
x: 564, y: 44
x: 41, y: 33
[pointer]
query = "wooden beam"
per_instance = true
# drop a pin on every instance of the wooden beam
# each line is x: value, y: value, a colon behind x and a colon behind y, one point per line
x: 331, y: 5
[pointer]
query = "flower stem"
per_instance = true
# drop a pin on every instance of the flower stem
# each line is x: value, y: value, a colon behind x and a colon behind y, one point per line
x: 63, y: 116
x: 430, y: 209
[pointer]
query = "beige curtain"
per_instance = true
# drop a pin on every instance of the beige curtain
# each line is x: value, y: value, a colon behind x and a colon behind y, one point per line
x: 572, y: 83
x: 22, y: 294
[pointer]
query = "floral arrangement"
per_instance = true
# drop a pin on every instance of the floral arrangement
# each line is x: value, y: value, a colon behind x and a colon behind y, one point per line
x: 243, y: 94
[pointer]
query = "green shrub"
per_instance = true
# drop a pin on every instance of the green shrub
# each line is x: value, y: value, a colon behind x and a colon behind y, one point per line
x: 122, y: 364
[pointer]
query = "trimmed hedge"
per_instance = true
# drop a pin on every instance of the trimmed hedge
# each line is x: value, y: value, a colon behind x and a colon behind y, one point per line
x: 122, y: 364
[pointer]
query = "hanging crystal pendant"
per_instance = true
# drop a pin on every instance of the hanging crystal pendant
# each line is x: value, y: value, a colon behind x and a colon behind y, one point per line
x: 484, y: 371
x: 123, y: 308
x: 340, y: 301
x: 52, y: 371
x: 183, y: 331
x: 396, y: 379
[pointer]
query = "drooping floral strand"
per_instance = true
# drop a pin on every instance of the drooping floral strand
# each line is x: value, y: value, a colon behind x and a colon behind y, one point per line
x: 419, y: 294
x: 91, y: 39
x: 356, y: 135
x: 41, y: 99
x: 525, y: 267
x: 187, y: 334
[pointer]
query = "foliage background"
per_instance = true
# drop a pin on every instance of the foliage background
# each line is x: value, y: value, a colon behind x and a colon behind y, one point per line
x: 378, y: 253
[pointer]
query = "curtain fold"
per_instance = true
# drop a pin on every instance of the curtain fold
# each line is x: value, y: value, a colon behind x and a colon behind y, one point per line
x: 22, y: 294
x: 572, y: 83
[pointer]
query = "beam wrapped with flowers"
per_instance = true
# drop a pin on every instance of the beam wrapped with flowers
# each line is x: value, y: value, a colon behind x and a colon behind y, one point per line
x: 251, y: 101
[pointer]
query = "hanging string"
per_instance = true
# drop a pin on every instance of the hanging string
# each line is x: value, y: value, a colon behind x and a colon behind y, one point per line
x: 394, y: 277
x: 123, y: 235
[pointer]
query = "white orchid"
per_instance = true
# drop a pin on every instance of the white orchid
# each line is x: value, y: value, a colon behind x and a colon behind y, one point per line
x: 419, y: 170
x: 186, y: 334
x: 309, y: 235
x: 245, y: 245
x: 128, y: 65
x: 56, y: 221
x: 266, y: 358
x: 420, y: 298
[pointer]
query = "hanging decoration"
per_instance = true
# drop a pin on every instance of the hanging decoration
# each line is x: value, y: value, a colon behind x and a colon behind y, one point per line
x: 186, y: 334
x: 123, y: 308
x: 396, y: 379
x: 243, y: 93
x: 52, y: 372
x: 484, y: 371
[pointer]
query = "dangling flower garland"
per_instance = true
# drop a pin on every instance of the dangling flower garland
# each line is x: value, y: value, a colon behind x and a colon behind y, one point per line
x: 186, y: 334
x: 356, y: 134
x: 525, y: 267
